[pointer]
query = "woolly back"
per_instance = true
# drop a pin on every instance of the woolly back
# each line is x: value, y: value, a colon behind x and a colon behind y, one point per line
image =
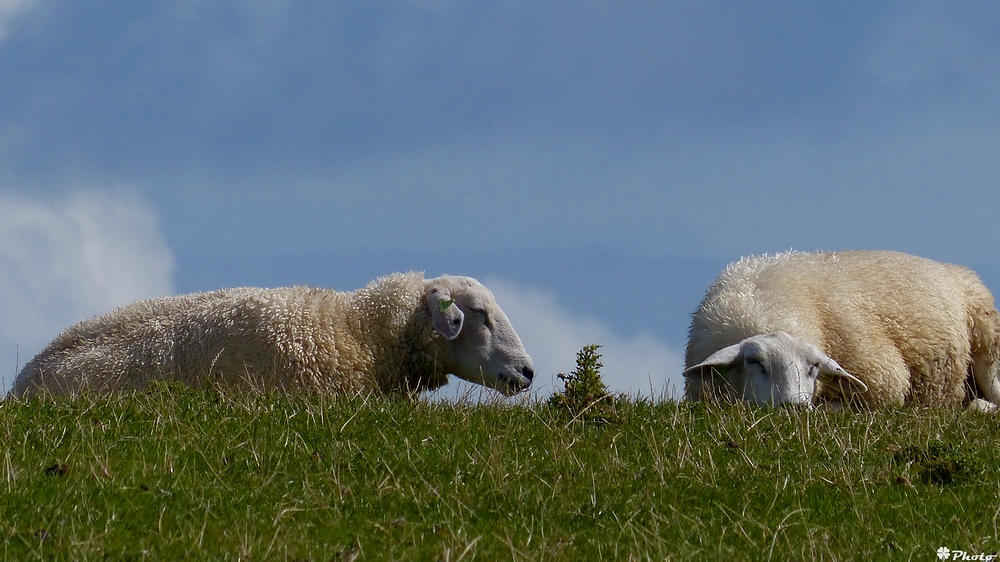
x: 750, y: 297
x: 816, y: 296
x: 394, y: 309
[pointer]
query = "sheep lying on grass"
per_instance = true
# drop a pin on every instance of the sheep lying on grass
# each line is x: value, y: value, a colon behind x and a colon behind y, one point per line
x: 400, y: 333
x: 873, y: 328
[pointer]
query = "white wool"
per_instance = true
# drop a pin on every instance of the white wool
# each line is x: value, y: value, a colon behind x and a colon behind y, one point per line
x: 911, y: 329
x: 401, y: 332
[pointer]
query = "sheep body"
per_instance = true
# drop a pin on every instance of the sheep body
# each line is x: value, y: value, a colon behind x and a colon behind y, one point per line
x: 912, y: 329
x: 382, y: 337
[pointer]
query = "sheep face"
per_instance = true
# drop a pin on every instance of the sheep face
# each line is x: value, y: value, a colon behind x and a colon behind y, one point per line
x: 478, y: 344
x: 769, y: 369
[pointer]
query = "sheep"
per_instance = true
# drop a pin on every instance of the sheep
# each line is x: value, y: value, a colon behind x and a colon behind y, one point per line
x: 399, y: 333
x: 867, y: 328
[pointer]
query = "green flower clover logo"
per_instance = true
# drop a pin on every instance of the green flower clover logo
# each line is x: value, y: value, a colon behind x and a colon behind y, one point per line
x: 444, y: 305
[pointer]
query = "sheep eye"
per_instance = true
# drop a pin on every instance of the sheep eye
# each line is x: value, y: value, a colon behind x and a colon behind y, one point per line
x: 481, y: 314
x: 755, y: 361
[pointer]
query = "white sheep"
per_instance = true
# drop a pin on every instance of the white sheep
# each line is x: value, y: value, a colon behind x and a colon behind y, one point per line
x: 399, y: 333
x: 868, y: 327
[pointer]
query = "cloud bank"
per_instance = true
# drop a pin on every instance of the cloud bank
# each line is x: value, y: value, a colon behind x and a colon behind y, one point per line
x: 67, y: 260
x: 639, y: 364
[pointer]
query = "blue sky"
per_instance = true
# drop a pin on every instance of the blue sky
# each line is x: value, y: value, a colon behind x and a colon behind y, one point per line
x: 595, y: 163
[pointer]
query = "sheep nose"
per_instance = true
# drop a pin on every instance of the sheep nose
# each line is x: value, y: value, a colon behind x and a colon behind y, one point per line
x: 528, y: 373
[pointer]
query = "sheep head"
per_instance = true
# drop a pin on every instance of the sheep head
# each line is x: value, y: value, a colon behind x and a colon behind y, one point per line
x: 769, y: 369
x: 478, y: 343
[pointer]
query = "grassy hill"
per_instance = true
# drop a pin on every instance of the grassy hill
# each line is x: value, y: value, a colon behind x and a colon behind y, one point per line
x: 176, y: 473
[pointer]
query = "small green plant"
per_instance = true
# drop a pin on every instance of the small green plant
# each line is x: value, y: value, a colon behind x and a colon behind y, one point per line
x: 585, y: 391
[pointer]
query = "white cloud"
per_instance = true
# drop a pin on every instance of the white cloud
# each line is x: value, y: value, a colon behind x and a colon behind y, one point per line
x: 8, y: 10
x: 65, y: 261
x: 637, y: 364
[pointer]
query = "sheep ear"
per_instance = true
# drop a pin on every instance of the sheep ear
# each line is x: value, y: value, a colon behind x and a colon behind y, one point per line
x: 720, y: 360
x: 445, y: 314
x: 832, y: 374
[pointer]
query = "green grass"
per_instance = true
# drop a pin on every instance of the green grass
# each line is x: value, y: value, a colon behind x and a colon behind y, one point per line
x: 177, y: 473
